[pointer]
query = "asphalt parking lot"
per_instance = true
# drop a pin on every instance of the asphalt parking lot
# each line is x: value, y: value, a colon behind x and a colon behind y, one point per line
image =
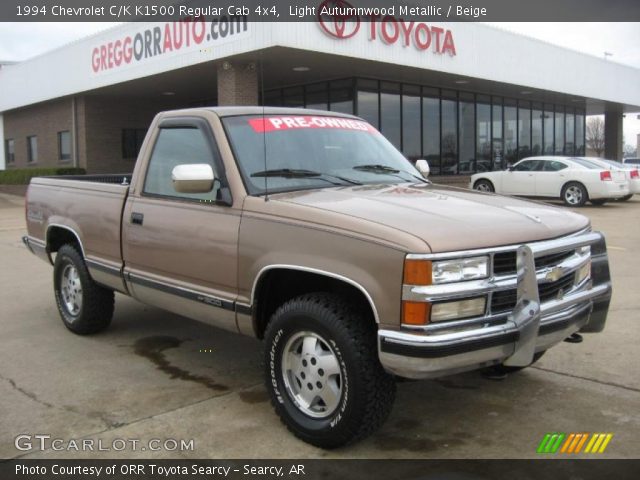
x: 155, y: 375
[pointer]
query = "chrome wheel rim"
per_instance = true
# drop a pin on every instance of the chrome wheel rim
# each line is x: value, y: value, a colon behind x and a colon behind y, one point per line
x: 71, y: 289
x: 483, y: 187
x: 573, y: 195
x: 312, y: 374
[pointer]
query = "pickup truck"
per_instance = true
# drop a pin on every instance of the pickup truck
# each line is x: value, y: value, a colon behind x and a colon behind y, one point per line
x: 309, y: 230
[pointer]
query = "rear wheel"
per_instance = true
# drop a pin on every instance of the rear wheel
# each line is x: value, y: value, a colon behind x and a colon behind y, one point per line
x: 598, y: 202
x: 574, y: 194
x: 323, y: 373
x: 84, y: 306
x: 484, y: 186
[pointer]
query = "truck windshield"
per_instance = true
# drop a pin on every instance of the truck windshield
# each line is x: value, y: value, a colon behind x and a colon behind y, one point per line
x: 310, y: 151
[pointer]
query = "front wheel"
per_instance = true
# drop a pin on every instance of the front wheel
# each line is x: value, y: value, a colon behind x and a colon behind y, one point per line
x: 484, y: 186
x: 84, y: 306
x: 322, y: 371
x: 574, y: 194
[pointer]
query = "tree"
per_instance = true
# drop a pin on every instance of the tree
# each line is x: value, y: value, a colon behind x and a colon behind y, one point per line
x: 629, y: 151
x: 595, y: 135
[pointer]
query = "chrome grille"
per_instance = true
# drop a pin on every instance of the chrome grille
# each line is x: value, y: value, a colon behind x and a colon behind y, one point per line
x: 504, y: 263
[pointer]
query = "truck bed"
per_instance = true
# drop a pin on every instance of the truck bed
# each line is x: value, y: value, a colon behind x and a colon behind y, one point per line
x: 86, y: 206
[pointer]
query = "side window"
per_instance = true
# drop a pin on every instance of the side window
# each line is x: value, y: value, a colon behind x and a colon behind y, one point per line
x: 528, y: 166
x: 553, y: 166
x: 176, y: 146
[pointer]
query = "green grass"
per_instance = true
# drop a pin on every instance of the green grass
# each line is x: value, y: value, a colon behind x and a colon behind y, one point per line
x: 22, y: 176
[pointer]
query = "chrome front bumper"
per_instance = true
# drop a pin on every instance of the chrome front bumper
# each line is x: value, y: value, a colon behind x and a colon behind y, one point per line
x: 513, y: 339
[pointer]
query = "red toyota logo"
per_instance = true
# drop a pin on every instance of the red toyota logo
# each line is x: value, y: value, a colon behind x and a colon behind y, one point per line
x: 338, y: 26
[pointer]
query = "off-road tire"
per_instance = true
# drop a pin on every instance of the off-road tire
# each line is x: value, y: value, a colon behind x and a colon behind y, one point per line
x: 97, y: 303
x: 367, y: 392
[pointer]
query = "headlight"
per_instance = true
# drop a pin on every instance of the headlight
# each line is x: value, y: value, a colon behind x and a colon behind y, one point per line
x: 458, y: 310
x: 426, y: 272
x: 460, y: 270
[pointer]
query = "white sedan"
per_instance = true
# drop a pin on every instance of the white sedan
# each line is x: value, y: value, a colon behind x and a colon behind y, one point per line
x: 574, y: 180
x: 630, y: 171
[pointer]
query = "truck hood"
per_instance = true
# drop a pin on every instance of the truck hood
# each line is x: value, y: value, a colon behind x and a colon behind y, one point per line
x: 445, y: 218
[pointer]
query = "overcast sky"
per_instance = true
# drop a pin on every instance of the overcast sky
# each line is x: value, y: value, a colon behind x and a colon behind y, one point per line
x: 20, y: 41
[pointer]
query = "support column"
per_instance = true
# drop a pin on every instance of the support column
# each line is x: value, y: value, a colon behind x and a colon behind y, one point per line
x: 613, y: 132
x: 237, y: 84
x: 3, y: 156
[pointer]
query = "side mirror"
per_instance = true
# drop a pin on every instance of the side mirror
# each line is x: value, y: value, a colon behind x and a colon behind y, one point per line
x: 509, y: 167
x: 423, y: 167
x: 193, y: 178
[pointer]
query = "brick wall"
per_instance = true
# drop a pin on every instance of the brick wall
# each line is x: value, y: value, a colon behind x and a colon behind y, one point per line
x: 44, y: 120
x: 237, y: 84
x: 101, y: 121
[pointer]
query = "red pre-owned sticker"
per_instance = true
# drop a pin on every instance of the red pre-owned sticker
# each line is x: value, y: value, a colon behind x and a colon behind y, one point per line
x: 276, y: 124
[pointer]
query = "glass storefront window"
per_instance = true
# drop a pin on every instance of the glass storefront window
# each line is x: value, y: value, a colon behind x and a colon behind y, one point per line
x: 569, y: 144
x: 367, y: 101
x: 497, y: 146
x: 431, y: 132
x: 317, y: 96
x: 293, y: 97
x: 559, y: 134
x: 466, y: 116
x: 536, y: 131
x: 390, y: 112
x: 524, y: 130
x: 483, y: 137
x: 510, y: 134
x: 273, y: 98
x: 411, y: 143
x: 548, y: 129
x: 341, y: 96
x: 579, y: 134
x: 449, y: 138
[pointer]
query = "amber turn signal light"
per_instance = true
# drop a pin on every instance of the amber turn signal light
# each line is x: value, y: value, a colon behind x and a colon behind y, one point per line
x: 415, y: 313
x: 417, y: 272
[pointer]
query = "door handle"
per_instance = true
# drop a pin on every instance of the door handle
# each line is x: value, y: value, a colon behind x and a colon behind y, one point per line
x: 137, y: 218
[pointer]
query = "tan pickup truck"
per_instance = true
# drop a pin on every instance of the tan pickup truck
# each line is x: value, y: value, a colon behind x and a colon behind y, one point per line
x: 309, y: 230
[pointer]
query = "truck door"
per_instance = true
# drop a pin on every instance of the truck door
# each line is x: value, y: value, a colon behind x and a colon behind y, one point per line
x: 180, y: 250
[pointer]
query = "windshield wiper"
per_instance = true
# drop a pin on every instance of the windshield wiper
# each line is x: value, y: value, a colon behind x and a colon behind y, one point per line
x: 302, y: 173
x: 376, y: 168
x: 386, y: 170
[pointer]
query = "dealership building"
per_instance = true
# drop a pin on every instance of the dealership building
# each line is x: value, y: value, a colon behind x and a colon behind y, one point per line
x: 465, y: 96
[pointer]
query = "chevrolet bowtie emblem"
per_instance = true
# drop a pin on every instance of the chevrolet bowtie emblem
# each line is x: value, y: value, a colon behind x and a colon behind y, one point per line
x: 553, y: 274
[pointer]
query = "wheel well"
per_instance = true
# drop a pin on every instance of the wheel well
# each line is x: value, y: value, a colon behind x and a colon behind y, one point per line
x: 59, y: 236
x: 277, y: 286
x: 484, y: 180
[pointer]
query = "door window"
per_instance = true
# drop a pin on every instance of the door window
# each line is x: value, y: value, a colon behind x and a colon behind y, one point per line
x: 528, y: 166
x: 177, y: 146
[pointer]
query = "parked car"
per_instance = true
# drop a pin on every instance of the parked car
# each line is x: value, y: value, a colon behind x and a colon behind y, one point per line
x: 630, y: 170
x: 574, y: 180
x: 631, y: 161
x: 309, y: 230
